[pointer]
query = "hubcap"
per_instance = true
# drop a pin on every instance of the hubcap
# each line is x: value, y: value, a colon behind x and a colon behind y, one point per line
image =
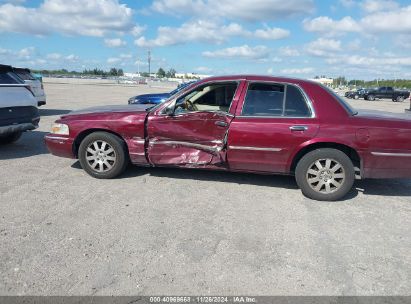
x: 325, y: 175
x: 100, y: 156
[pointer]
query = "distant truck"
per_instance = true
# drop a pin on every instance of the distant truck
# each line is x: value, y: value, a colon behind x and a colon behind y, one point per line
x: 387, y: 92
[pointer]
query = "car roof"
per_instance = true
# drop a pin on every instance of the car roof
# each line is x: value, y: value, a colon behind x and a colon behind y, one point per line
x: 21, y: 70
x: 5, y: 68
x: 258, y: 78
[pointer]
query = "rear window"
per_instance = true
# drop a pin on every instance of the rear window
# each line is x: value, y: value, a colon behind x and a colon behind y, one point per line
x: 270, y: 99
x: 351, y: 111
x: 25, y: 75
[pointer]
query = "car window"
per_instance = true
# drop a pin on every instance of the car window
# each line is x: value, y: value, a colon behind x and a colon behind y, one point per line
x: 389, y: 89
x: 24, y: 74
x: 264, y: 100
x: 295, y: 103
x: 9, y: 78
x: 216, y: 97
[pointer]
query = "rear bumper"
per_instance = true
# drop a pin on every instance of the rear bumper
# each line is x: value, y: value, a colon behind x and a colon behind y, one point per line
x: 59, y: 145
x: 41, y: 103
x: 4, y: 130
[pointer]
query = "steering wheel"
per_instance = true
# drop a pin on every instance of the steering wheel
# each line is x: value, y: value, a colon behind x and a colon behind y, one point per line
x: 190, y: 106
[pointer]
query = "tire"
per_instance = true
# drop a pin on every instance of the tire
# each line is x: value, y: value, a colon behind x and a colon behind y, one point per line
x: 10, y: 138
x: 103, y: 155
x: 356, y: 96
x: 400, y: 98
x: 371, y: 97
x: 331, y: 186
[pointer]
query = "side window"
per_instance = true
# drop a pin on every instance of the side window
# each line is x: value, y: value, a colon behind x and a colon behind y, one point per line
x: 5, y: 78
x: 295, y: 104
x: 214, y: 97
x: 264, y: 100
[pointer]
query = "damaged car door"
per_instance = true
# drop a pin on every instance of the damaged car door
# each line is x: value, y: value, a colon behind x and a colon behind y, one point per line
x: 191, y: 130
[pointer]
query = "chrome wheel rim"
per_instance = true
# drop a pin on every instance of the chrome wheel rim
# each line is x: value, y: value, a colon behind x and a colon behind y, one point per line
x: 100, y: 156
x: 325, y: 175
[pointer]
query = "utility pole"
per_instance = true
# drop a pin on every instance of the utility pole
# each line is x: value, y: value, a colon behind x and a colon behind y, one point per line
x: 149, y: 62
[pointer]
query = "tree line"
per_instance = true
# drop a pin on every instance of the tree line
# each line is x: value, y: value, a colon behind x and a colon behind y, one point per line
x: 396, y: 83
x: 91, y: 72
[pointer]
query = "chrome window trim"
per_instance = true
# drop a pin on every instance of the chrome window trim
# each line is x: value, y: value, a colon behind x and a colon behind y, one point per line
x: 307, y: 99
x: 237, y: 81
x: 391, y: 154
x: 254, y: 148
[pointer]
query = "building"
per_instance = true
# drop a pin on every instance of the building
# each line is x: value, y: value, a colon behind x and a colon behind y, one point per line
x: 324, y: 81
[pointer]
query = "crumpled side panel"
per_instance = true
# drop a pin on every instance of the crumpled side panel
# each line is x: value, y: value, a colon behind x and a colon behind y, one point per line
x: 184, y: 153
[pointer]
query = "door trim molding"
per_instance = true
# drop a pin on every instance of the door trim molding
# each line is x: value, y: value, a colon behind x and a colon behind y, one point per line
x: 254, y: 148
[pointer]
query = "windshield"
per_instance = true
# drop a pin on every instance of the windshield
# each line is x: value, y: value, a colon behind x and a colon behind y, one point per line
x: 345, y: 104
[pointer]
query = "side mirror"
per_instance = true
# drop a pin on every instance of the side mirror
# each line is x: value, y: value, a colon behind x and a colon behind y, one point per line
x: 169, y: 111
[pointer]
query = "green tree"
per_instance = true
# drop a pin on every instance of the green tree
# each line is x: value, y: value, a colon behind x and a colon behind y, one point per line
x: 161, y: 73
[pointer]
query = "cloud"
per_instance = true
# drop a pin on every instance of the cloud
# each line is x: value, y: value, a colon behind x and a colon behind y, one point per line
x: 397, y: 21
x: 206, y: 31
x: 323, y: 47
x: 201, y: 31
x: 235, y: 9
x: 386, y: 21
x: 72, y: 58
x: 329, y: 27
x: 76, y: 17
x: 272, y: 33
x: 297, y: 71
x: 54, y: 56
x: 372, y: 6
x: 348, y: 3
x: 289, y: 52
x: 366, y: 61
x: 112, y: 60
x: 115, y: 42
x: 137, y: 30
x: 244, y: 51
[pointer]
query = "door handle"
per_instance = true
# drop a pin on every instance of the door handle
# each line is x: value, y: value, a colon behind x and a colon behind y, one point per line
x: 298, y: 128
x: 221, y: 123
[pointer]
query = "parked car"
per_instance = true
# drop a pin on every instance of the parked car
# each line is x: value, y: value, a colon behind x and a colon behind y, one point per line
x: 18, y: 106
x: 158, y: 97
x: 356, y: 94
x: 256, y: 124
x: 387, y: 92
x: 35, y: 84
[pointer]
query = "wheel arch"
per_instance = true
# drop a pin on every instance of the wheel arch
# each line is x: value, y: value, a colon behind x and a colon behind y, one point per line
x: 79, y: 138
x: 348, y: 150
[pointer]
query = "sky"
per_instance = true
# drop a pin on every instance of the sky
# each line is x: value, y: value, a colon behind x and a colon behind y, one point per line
x: 358, y: 39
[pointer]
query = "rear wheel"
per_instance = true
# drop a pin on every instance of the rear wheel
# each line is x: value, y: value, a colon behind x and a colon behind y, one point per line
x: 371, y: 97
x: 10, y: 138
x: 103, y: 155
x: 325, y: 174
x: 356, y: 96
x: 400, y: 99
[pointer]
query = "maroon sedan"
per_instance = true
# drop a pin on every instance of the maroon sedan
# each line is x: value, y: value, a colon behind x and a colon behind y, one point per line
x: 256, y: 124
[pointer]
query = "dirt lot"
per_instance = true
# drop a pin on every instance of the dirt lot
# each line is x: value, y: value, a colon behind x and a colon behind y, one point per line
x: 184, y: 232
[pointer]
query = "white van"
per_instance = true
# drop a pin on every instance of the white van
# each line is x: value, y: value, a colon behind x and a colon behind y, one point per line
x: 35, y: 84
x: 18, y: 106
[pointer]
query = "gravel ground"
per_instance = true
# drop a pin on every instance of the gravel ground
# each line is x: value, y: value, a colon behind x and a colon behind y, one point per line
x: 186, y: 232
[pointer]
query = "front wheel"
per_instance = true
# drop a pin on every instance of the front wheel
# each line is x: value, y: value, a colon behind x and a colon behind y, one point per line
x: 103, y: 155
x: 325, y: 174
x: 10, y: 138
x: 371, y: 97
